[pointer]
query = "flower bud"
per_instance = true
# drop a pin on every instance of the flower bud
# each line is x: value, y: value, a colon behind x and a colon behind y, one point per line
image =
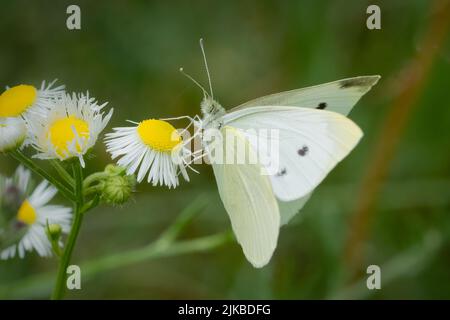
x: 54, y: 232
x: 117, y: 187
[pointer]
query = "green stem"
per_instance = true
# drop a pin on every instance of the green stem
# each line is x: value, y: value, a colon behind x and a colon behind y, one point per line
x: 94, y: 177
x: 63, y: 172
x: 54, y: 242
x: 91, y: 204
x: 155, y: 250
x: 60, y: 285
x: 91, y: 190
x: 185, y: 217
x: 38, y: 283
x: 56, y: 248
x: 19, y: 156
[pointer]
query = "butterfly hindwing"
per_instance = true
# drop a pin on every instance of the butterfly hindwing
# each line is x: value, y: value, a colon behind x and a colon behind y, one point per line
x: 288, y: 209
x: 250, y: 203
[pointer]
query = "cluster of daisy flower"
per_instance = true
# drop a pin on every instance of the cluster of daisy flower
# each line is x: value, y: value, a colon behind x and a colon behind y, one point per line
x: 57, y: 124
x: 63, y: 127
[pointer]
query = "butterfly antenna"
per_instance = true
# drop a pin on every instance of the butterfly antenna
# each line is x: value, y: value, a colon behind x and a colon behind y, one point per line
x: 206, y: 67
x: 205, y: 93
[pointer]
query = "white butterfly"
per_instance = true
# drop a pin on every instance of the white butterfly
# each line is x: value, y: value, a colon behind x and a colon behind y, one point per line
x: 314, y: 136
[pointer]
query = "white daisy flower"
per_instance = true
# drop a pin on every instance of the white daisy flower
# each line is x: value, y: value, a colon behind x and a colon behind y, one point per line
x: 13, y: 133
x: 32, y: 216
x: 17, y: 105
x: 23, y: 100
x: 69, y: 128
x: 153, y: 146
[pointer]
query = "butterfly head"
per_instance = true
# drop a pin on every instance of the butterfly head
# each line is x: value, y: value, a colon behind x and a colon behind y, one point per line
x: 211, y: 107
x: 212, y: 111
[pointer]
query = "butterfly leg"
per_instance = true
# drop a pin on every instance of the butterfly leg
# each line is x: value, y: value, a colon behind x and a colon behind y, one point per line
x: 195, y: 135
x: 198, y: 157
x: 195, y: 120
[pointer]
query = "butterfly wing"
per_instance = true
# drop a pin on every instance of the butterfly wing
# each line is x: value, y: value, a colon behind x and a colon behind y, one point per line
x: 288, y: 209
x: 250, y: 203
x: 338, y: 96
x: 311, y: 143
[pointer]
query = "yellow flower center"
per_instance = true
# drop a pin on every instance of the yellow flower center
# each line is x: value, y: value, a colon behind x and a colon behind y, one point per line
x: 26, y: 213
x: 16, y: 100
x: 159, y: 135
x: 61, y: 133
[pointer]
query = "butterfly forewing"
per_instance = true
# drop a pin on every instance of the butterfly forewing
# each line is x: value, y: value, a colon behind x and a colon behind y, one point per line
x: 338, y: 96
x: 311, y: 143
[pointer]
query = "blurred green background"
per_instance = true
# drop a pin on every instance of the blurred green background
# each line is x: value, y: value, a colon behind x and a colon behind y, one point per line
x: 129, y: 53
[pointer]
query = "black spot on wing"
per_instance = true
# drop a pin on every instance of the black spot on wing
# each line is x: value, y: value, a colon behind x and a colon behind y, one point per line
x: 303, y: 151
x: 282, y: 172
x: 322, y: 106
